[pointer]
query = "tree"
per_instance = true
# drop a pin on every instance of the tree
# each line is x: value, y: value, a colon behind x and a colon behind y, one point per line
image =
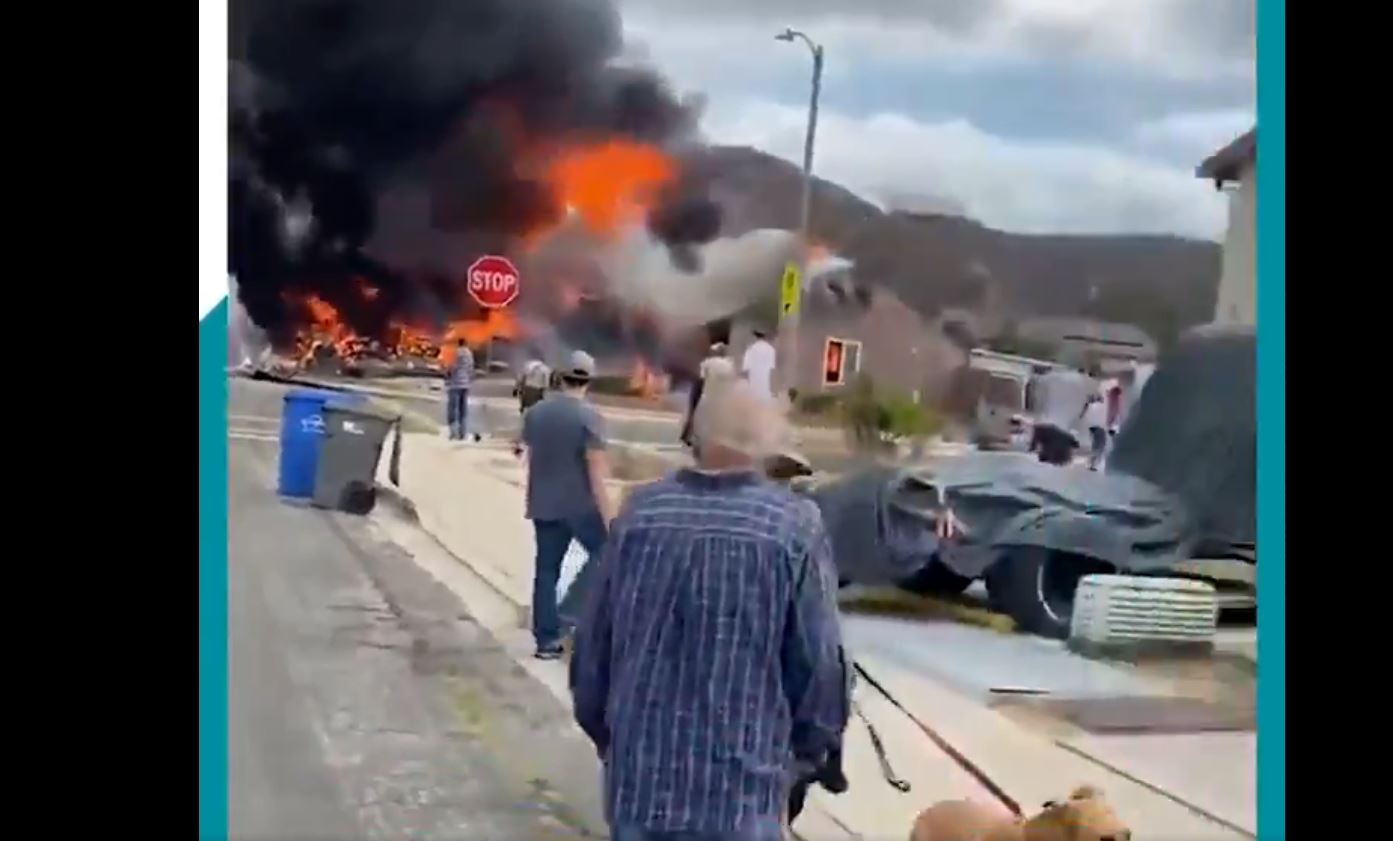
x: 877, y: 419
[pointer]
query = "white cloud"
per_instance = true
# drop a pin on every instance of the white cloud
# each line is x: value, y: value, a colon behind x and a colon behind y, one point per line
x: 1138, y: 180
x: 1016, y: 185
x: 1174, y: 38
x: 1194, y: 134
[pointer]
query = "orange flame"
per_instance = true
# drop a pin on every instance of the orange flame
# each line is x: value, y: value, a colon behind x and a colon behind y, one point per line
x: 411, y: 341
x: 608, y: 185
x: 476, y: 332
x: 646, y: 381
x: 611, y: 184
x: 326, y: 329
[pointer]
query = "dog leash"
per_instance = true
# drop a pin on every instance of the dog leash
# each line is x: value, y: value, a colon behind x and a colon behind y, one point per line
x: 953, y: 753
x: 886, y: 770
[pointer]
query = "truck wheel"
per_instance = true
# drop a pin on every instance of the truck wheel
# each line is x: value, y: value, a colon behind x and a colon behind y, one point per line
x: 935, y: 579
x: 1036, y: 587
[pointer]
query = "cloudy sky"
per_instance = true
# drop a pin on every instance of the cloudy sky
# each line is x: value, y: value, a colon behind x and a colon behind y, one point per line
x: 1028, y: 115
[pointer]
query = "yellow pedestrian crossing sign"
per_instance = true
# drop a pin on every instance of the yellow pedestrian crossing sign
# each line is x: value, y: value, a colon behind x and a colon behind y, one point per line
x: 788, y: 291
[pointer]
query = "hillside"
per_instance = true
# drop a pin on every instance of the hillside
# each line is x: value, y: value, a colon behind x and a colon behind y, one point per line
x: 934, y: 261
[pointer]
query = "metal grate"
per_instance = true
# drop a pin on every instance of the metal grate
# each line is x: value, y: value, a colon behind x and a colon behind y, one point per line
x: 1122, y: 609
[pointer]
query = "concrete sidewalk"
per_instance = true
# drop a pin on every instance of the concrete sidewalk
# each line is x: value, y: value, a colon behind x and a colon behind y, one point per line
x: 469, y: 498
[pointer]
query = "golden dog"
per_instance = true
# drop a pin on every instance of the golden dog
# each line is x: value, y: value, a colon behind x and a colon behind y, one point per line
x: 1085, y: 816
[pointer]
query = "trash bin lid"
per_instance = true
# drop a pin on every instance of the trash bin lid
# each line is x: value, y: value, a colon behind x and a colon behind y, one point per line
x: 361, y: 411
x: 308, y: 394
x: 324, y: 395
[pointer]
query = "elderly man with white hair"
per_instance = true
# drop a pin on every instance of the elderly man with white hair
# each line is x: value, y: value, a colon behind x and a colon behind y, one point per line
x: 707, y: 670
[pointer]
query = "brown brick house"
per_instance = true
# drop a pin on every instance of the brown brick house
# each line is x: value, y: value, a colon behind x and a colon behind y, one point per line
x: 882, y: 337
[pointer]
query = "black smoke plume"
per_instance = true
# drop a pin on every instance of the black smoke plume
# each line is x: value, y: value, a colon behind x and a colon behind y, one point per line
x: 335, y: 102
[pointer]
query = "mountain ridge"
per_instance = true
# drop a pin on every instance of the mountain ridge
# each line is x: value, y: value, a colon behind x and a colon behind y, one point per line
x: 937, y: 261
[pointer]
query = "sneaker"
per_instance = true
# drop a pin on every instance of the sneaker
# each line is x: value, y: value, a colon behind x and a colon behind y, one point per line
x: 550, y: 652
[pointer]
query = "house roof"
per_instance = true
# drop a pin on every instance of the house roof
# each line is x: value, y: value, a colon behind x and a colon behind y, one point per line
x: 1087, y: 331
x: 1228, y: 162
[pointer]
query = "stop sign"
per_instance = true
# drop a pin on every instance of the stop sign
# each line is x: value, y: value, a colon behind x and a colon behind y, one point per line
x: 493, y: 281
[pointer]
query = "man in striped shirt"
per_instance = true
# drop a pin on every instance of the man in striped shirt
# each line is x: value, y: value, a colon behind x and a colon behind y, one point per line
x: 707, y: 669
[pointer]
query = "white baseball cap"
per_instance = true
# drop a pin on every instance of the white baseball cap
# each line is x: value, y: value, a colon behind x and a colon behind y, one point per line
x: 580, y: 365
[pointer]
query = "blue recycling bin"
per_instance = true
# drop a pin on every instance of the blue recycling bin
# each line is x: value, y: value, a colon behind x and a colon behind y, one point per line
x: 302, y: 428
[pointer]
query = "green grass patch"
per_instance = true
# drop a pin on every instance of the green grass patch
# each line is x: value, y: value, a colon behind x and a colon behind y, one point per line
x: 890, y: 601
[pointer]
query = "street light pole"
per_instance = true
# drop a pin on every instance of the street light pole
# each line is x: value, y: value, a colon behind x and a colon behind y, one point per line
x: 788, y: 331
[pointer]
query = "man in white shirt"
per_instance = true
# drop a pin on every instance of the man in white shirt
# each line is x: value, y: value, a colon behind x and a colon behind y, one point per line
x: 758, y: 364
x: 1095, y: 420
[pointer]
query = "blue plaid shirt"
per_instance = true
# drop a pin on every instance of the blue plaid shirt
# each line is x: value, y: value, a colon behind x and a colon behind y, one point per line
x: 709, y: 659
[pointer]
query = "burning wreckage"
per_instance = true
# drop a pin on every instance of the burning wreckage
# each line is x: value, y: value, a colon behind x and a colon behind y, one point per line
x: 378, y: 150
x: 1179, y: 484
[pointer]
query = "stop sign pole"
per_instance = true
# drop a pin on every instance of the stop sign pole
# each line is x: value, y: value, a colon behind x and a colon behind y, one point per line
x: 494, y: 283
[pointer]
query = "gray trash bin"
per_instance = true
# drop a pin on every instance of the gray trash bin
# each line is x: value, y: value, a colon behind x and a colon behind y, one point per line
x: 345, y: 478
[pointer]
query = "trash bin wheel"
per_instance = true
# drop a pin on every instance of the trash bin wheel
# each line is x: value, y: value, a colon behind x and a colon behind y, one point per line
x: 1036, y: 587
x: 935, y: 579
x: 358, y: 498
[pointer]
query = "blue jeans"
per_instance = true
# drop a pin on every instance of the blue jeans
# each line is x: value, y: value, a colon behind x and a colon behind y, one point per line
x: 758, y: 832
x: 553, y: 538
x: 456, y: 411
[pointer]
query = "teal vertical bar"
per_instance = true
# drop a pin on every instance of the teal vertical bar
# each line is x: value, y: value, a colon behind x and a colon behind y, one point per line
x: 212, y: 575
x: 1272, y: 417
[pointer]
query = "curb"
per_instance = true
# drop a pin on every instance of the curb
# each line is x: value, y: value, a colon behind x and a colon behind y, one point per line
x: 406, y: 509
x: 399, y: 503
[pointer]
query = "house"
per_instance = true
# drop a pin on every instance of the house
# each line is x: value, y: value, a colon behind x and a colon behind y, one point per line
x: 871, y: 332
x: 1086, y: 339
x: 1234, y: 169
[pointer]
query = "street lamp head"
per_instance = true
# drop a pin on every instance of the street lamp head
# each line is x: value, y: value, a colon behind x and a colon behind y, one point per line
x: 786, y: 35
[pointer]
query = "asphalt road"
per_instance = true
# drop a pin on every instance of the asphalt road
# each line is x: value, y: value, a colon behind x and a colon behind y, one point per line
x: 364, y: 702
x: 648, y: 428
x: 651, y: 428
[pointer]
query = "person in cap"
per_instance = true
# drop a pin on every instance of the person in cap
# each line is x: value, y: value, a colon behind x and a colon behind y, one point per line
x: 563, y: 439
x: 708, y: 669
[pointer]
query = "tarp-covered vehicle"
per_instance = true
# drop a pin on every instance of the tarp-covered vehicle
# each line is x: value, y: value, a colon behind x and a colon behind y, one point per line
x: 1179, y: 483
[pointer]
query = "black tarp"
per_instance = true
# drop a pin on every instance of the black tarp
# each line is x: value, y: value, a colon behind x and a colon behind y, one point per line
x: 1181, y: 477
x: 1193, y: 432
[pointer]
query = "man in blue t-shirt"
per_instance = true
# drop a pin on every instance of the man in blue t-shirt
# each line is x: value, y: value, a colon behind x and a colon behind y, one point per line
x: 567, y: 498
